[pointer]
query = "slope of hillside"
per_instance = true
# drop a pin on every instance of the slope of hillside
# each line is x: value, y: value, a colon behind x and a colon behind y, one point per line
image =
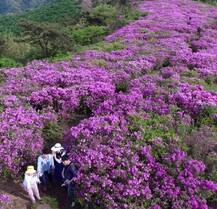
x: 147, y: 135
x: 14, y: 6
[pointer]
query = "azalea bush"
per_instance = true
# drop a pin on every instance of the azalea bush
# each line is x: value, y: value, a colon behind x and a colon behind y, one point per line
x: 20, y: 136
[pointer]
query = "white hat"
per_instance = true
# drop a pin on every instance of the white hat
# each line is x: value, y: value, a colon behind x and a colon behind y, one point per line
x: 30, y: 170
x: 57, y: 147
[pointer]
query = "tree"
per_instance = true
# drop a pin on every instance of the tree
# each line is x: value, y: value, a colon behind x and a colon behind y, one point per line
x: 48, y: 37
x: 2, y: 45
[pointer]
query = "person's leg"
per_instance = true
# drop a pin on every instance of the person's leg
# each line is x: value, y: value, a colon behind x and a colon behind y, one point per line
x: 31, y: 195
x: 36, y: 191
x: 50, y: 177
x: 44, y: 181
x: 45, y: 178
x: 71, y: 194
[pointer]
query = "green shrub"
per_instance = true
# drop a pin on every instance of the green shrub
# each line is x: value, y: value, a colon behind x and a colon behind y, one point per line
x: 213, y: 175
x: 213, y: 2
x: 205, y: 117
x: 210, y: 83
x: 83, y: 109
x: 15, y: 50
x: 122, y: 86
x: 104, y: 14
x: 156, y: 131
x: 52, y: 133
x: 2, y: 107
x: 99, y: 62
x: 100, y: 46
x: 2, y: 77
x: 60, y: 57
x: 133, y: 15
x: 111, y: 17
x: 89, y: 34
x: 153, y: 127
x: 34, y: 53
x: 190, y: 73
x: 113, y: 46
x: 7, y: 62
x: 5, y: 173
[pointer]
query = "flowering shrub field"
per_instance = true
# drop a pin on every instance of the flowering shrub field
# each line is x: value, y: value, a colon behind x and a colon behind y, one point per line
x: 139, y: 105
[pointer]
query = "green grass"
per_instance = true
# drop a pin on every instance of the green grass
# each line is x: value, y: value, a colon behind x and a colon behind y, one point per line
x: 61, y: 57
x: 212, y: 2
x: 153, y: 127
x: 7, y: 62
x: 101, y: 46
x: 50, y: 201
x: 99, y: 62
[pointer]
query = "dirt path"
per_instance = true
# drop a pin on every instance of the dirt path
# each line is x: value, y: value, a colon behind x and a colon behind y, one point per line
x: 16, y: 194
x: 20, y: 200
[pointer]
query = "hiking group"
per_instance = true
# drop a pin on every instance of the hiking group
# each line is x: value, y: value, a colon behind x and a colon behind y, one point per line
x: 52, y: 166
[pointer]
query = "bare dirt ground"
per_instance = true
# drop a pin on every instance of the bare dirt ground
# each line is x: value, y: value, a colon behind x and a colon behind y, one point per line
x: 20, y: 200
x: 18, y: 197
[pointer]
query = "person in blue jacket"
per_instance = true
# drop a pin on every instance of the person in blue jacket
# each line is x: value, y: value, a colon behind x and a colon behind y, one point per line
x: 69, y: 173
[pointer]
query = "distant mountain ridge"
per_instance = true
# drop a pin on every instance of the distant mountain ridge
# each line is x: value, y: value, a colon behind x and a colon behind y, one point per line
x: 16, y: 6
x: 51, y: 11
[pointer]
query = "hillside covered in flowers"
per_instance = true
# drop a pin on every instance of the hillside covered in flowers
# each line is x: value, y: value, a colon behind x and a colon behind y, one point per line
x: 140, y: 121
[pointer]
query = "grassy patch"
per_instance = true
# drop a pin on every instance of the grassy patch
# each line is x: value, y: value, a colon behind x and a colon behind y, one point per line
x: 152, y: 127
x: 190, y: 74
x: 89, y: 34
x: 47, y: 200
x: 7, y: 62
x: 50, y: 201
x: 99, y: 62
x: 61, y: 57
x: 101, y: 46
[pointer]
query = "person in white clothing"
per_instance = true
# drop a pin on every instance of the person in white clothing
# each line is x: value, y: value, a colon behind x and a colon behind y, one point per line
x: 31, y: 182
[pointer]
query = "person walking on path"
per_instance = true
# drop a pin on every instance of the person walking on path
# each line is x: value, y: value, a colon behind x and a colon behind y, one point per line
x: 58, y: 152
x: 30, y: 184
x: 69, y: 173
x: 45, y: 167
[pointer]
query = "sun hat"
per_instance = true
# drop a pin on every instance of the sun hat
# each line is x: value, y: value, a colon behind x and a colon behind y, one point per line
x: 30, y: 170
x: 57, y: 147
